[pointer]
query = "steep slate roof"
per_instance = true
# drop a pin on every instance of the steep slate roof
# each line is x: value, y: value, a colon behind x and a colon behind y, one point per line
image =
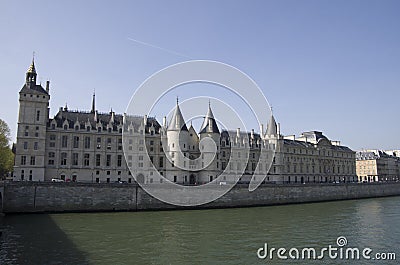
x: 272, y: 127
x: 372, y: 154
x: 83, y: 117
x: 209, y: 123
x: 177, y: 122
x: 231, y: 133
x: 33, y: 89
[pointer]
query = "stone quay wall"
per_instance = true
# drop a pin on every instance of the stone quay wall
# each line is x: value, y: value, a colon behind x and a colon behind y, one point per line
x: 48, y: 197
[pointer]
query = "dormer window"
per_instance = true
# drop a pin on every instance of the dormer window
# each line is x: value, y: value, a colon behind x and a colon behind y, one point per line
x: 88, y: 128
x: 76, y: 127
x: 53, y: 126
x: 65, y: 127
x: 109, y: 130
x: 98, y: 129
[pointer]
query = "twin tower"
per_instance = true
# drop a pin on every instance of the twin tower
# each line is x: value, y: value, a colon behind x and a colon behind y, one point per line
x: 193, y: 157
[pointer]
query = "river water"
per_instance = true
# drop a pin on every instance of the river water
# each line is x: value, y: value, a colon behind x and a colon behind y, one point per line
x: 220, y: 236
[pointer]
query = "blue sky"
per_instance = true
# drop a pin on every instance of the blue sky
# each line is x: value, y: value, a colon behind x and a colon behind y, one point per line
x: 332, y: 66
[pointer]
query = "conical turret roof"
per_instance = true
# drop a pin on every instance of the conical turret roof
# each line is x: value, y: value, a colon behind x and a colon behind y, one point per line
x: 209, y: 123
x: 271, y: 126
x: 177, y: 122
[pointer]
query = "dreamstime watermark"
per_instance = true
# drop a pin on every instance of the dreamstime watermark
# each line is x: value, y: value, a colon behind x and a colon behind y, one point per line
x: 146, y: 97
x: 340, y: 251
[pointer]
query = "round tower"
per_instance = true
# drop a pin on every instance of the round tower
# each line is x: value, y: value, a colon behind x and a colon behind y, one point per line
x: 209, y: 147
x: 178, y: 147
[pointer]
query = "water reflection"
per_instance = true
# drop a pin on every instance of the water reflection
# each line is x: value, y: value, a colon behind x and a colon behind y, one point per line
x: 224, y: 236
x: 36, y: 239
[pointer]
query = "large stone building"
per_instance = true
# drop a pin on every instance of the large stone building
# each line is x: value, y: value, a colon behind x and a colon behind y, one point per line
x: 378, y: 165
x: 105, y: 147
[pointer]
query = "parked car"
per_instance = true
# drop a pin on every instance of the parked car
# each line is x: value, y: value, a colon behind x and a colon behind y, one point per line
x: 57, y: 180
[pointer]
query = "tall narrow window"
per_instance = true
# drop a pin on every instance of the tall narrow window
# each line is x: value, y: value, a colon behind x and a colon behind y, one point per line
x: 98, y: 160
x: 51, y: 158
x: 98, y: 142
x: 64, y: 141
x: 108, y: 160
x: 75, y: 159
x: 109, y: 143
x: 119, y: 160
x: 37, y: 115
x: 63, y: 159
x: 23, y: 160
x: 76, y: 142
x: 87, y: 142
x: 86, y: 160
x: 33, y: 160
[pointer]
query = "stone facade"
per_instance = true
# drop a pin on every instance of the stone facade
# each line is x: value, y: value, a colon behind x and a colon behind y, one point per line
x: 378, y: 165
x: 89, y: 146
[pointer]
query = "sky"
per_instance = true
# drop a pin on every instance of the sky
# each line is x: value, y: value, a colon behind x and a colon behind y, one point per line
x: 332, y: 66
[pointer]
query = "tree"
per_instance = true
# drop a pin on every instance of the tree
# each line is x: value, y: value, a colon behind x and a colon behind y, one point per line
x: 6, y: 155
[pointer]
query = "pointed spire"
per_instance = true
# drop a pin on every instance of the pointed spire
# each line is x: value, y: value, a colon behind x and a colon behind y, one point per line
x: 31, y: 74
x: 271, y: 126
x: 32, y: 68
x: 209, y: 123
x: 177, y: 122
x: 94, y: 102
x: 112, y: 116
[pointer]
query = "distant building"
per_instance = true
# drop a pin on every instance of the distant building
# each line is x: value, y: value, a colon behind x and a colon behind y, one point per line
x: 89, y: 146
x: 377, y: 165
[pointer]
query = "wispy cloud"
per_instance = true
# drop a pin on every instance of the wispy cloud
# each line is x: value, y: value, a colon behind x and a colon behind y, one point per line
x: 160, y: 48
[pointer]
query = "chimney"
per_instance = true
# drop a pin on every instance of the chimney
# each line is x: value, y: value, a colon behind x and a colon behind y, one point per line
x: 164, y: 121
x: 238, y: 132
x: 278, y: 129
x: 262, y: 130
x: 145, y: 120
x: 47, y: 86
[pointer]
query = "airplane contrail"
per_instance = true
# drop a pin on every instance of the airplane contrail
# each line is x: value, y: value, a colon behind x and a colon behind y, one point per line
x: 160, y: 48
